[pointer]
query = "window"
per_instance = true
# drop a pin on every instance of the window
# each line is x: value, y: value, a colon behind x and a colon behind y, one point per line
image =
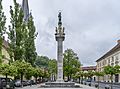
x: 112, y: 64
x: 109, y: 60
x: 116, y: 57
x: 112, y: 58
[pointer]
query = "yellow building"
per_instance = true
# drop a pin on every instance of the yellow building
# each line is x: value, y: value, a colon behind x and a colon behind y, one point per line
x: 5, y: 54
x: 112, y: 58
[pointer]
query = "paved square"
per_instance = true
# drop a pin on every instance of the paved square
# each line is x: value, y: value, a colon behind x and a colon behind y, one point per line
x: 37, y: 87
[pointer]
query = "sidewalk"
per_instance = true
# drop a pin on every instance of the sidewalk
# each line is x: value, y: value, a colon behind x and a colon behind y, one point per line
x: 87, y: 87
x: 38, y: 87
x: 81, y: 87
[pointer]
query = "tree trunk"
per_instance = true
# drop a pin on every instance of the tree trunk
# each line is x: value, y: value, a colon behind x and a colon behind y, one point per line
x: 82, y: 80
x: 6, y: 80
x: 111, y: 81
x: 21, y: 79
x: 54, y: 77
x: 79, y: 80
x: 36, y: 80
x: 68, y: 78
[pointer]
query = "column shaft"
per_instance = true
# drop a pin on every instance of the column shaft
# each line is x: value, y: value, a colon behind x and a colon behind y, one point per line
x: 60, y: 60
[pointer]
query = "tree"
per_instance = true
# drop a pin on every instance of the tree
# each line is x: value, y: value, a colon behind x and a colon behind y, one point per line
x: 71, y: 63
x: 2, y: 28
x: 8, y: 70
x: 29, y: 72
x: 42, y: 61
x: 16, y: 32
x: 111, y: 70
x: 79, y: 75
x: 22, y: 68
x: 29, y: 42
x: 46, y: 74
x: 21, y: 36
x: 99, y: 74
x: 5, y: 70
x: 37, y: 72
x: 90, y: 75
x: 85, y: 74
x: 13, y: 70
x: 52, y: 68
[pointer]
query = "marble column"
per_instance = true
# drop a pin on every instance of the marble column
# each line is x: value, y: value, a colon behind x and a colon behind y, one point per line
x: 60, y: 36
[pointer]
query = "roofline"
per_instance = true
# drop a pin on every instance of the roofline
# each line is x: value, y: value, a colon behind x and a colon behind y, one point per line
x: 113, y: 50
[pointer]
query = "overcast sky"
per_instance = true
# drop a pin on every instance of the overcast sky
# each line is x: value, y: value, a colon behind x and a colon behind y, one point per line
x: 92, y: 27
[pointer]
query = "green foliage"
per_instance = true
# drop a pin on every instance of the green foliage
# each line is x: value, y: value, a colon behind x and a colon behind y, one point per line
x: 90, y: 74
x: 99, y: 73
x: 13, y: 70
x: 5, y: 69
x: 46, y: 74
x: 37, y: 72
x: 71, y: 63
x: 15, y: 34
x: 29, y: 72
x: 79, y: 74
x: 52, y: 66
x: 2, y: 28
x: 21, y: 36
x: 29, y: 44
x: 21, y: 66
x: 42, y: 61
x: 112, y: 70
x: 85, y: 74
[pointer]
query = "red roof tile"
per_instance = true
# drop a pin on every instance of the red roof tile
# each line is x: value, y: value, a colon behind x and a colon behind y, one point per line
x: 89, y: 68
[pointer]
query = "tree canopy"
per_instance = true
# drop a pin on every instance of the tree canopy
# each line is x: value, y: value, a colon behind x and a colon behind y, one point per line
x: 71, y: 63
x: 42, y: 61
x: 2, y: 28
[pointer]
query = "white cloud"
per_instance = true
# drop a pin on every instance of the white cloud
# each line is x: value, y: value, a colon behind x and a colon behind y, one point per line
x: 91, y: 26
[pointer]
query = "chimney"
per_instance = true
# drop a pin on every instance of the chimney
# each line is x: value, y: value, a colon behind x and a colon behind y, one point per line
x: 118, y: 41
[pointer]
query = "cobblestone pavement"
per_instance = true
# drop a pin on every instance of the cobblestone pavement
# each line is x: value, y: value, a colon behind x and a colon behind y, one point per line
x: 37, y: 87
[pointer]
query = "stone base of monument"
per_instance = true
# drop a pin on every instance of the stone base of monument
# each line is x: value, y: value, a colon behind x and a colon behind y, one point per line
x: 60, y: 84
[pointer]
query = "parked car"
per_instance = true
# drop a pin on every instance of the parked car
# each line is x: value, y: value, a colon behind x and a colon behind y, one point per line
x: 18, y: 83
x: 25, y: 82
x: 88, y: 82
x: 10, y: 83
x: 29, y: 82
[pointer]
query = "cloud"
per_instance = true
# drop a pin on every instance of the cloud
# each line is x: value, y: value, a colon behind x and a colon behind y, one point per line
x: 91, y: 26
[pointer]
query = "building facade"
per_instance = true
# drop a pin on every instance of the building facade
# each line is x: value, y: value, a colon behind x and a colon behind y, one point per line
x: 112, y: 58
x: 5, y: 54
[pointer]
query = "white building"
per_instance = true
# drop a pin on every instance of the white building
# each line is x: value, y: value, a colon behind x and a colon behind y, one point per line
x: 112, y: 57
